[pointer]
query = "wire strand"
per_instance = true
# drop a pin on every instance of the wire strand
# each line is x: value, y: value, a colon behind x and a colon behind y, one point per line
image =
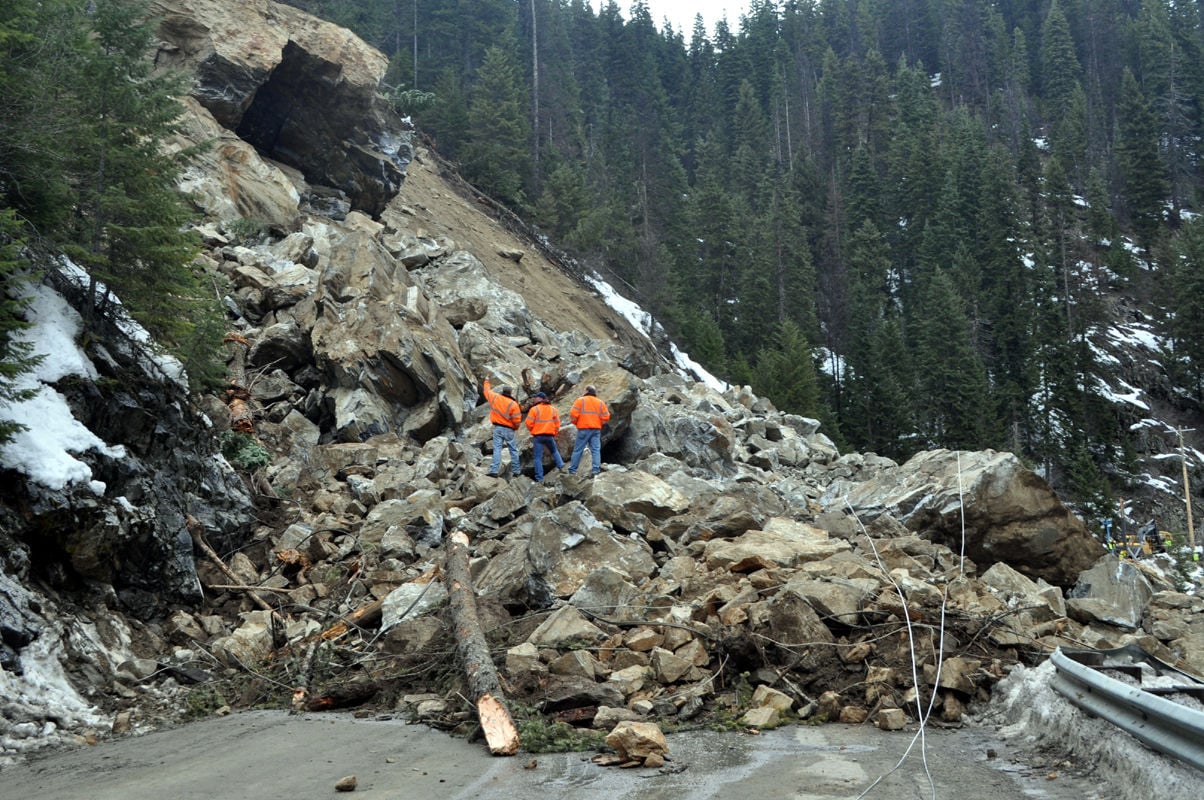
x: 922, y: 713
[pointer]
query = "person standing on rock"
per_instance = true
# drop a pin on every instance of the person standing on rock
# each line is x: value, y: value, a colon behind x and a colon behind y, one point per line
x: 505, y: 414
x: 543, y: 420
x: 589, y: 414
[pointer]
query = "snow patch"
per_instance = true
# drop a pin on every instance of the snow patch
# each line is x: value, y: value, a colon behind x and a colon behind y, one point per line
x: 1034, y: 714
x: 643, y: 322
x: 44, y: 452
x: 41, y: 706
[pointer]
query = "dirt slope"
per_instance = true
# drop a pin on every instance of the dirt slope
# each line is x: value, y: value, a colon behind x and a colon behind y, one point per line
x: 440, y: 204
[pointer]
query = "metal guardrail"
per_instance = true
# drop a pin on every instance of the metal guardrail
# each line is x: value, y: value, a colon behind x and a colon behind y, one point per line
x: 1164, y: 725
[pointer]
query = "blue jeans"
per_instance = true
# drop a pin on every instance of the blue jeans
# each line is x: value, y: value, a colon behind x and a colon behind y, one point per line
x: 593, y: 438
x: 504, y: 436
x: 538, y: 444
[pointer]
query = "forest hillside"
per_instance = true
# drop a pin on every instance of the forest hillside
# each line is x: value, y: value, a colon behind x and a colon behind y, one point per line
x: 918, y: 221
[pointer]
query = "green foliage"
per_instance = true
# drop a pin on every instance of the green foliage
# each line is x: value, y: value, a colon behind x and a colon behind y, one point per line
x: 496, y: 155
x: 202, y: 701
x: 1141, y: 167
x: 410, y: 101
x: 538, y: 734
x: 82, y: 164
x: 1183, y: 567
x: 785, y: 372
x: 1187, y: 325
x: 16, y: 357
x: 244, y: 451
x: 248, y: 232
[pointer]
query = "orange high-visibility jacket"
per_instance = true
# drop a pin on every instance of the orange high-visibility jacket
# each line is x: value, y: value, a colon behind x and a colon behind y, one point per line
x: 503, y: 410
x: 543, y: 419
x: 589, y: 412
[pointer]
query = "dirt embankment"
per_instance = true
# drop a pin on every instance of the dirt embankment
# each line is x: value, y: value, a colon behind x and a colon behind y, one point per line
x: 443, y: 205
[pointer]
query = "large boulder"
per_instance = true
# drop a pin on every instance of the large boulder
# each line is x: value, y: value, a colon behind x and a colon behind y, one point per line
x: 1009, y: 513
x: 783, y: 543
x: 228, y: 179
x: 555, y: 554
x: 384, y: 351
x: 461, y: 284
x: 300, y: 90
x: 1114, y: 592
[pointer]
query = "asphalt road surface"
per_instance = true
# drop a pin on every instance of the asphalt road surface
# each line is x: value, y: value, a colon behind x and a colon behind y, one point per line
x: 277, y: 756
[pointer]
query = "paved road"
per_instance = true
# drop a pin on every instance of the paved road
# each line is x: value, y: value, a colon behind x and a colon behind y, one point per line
x: 276, y: 756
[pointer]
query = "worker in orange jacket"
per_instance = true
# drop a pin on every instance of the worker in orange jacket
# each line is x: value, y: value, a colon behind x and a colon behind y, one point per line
x: 543, y: 420
x: 505, y: 414
x: 589, y: 413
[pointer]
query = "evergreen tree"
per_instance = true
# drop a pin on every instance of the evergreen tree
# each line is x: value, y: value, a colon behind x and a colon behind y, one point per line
x: 1006, y: 338
x: 785, y: 372
x: 870, y: 304
x: 563, y: 202
x: 446, y: 122
x: 1060, y: 68
x: 1165, y: 77
x: 1143, y: 175
x: 40, y: 47
x: 710, y: 269
x: 16, y: 356
x: 129, y: 229
x: 955, y: 401
x: 1188, y: 298
x: 496, y: 151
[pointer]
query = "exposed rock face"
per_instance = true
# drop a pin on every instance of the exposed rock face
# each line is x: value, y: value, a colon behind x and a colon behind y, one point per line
x: 1010, y: 514
x: 134, y: 537
x: 299, y: 90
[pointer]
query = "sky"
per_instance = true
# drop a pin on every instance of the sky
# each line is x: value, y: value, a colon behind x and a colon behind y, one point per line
x: 681, y: 12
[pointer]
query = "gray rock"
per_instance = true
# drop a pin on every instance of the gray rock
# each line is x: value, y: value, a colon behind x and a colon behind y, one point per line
x: 1010, y: 513
x: 1113, y: 591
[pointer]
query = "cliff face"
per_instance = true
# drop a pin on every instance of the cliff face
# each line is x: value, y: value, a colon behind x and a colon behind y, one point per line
x: 300, y: 91
x: 723, y: 537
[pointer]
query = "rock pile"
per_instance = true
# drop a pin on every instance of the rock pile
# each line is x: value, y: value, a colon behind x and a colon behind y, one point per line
x: 727, y: 561
x: 728, y: 558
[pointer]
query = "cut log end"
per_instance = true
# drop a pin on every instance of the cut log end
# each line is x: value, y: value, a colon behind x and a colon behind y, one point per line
x: 500, y: 733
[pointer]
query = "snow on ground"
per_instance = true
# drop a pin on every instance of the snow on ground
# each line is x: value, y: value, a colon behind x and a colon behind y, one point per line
x: 1125, y: 394
x: 1030, y: 713
x: 643, y: 322
x: 154, y: 361
x: 1137, y: 335
x: 44, y: 451
x: 41, y: 707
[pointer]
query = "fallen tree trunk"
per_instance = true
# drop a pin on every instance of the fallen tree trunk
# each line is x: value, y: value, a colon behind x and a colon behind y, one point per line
x: 483, y: 682
x: 197, y: 532
x: 366, y: 616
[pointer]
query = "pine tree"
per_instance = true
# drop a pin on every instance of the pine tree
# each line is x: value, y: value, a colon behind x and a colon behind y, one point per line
x: 16, y: 355
x: 1143, y: 175
x: 955, y: 402
x: 1060, y: 68
x: 870, y: 304
x: 1006, y: 338
x: 40, y: 43
x: 129, y: 230
x: 1188, y: 298
x: 563, y: 202
x: 446, y: 122
x: 785, y: 372
x: 496, y: 153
